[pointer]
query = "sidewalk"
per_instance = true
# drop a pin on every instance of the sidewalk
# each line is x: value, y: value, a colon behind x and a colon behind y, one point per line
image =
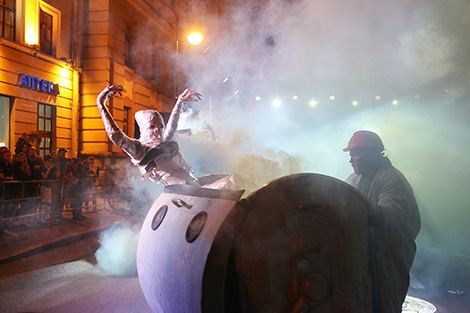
x: 24, y: 242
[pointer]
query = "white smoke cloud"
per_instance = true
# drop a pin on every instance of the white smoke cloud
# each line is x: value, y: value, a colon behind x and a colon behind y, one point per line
x: 118, y: 249
x: 415, y: 52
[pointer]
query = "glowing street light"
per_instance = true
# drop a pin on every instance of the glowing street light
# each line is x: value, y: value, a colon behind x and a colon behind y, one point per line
x: 332, y: 98
x: 395, y: 102
x: 294, y: 97
x: 313, y: 103
x: 257, y: 98
x: 355, y: 103
x: 277, y: 103
x: 195, y: 38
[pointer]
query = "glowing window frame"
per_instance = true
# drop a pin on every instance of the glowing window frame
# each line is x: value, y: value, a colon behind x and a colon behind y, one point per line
x: 56, y: 16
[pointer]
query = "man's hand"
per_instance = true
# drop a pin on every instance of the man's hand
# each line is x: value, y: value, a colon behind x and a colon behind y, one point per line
x: 188, y: 95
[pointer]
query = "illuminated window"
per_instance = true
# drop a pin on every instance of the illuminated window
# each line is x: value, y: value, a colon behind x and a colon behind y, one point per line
x: 46, y: 124
x: 7, y: 19
x: 49, y: 28
x: 45, y: 32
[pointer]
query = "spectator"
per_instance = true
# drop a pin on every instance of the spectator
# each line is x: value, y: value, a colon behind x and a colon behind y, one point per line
x: 36, y: 164
x: 62, y: 161
x: 6, y: 174
x: 72, y: 164
x: 76, y: 193
x: 81, y: 172
x: 69, y: 182
x: 21, y: 169
x: 25, y: 148
x: 6, y: 168
x: 22, y: 172
x: 93, y: 178
x: 33, y: 157
x: 3, y: 148
x: 21, y: 142
x: 50, y: 172
x: 56, y: 191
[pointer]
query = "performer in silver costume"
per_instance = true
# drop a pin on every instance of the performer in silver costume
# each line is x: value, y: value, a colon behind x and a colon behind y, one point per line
x: 155, y: 153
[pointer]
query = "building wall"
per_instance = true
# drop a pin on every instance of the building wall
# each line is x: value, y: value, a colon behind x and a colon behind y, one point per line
x: 90, y: 49
x: 17, y: 59
x: 104, y: 40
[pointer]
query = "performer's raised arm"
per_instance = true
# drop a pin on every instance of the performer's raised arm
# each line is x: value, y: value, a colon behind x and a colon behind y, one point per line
x: 172, y: 125
x: 131, y: 146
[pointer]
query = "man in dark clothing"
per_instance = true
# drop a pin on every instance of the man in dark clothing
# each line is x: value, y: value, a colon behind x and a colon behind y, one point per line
x: 78, y: 191
x: 88, y: 185
x: 394, y: 220
x: 6, y: 174
x: 58, y: 198
x: 36, y: 164
x: 62, y: 161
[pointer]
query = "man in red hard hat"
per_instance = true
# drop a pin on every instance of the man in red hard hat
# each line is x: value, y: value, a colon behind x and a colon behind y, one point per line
x: 394, y: 220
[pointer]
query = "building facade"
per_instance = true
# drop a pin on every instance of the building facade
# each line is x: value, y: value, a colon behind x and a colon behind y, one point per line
x: 39, y: 87
x: 57, y: 55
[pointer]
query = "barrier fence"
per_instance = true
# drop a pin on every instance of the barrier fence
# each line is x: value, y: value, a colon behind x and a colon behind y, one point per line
x: 36, y: 201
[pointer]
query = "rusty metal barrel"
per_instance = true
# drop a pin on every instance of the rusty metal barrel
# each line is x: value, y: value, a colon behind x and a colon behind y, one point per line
x: 298, y: 244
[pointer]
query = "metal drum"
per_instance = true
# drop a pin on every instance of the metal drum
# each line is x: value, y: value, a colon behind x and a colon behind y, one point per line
x: 174, y: 244
x: 298, y: 244
x: 302, y: 248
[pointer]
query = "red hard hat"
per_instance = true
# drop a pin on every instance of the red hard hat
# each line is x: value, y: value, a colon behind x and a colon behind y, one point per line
x: 364, y: 138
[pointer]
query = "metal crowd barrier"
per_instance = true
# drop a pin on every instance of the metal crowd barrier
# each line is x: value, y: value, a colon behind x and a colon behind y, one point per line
x: 23, y: 202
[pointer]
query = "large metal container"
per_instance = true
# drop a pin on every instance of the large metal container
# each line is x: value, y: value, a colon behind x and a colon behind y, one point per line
x: 174, y: 244
x: 298, y: 244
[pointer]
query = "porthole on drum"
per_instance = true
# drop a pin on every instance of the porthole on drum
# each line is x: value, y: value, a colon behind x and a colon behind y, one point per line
x: 159, y: 216
x: 196, y: 226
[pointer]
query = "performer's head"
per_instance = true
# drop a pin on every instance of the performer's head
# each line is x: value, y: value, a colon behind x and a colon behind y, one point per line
x: 150, y: 123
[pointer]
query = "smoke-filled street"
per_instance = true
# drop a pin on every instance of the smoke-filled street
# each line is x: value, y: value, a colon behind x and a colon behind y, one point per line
x: 277, y: 88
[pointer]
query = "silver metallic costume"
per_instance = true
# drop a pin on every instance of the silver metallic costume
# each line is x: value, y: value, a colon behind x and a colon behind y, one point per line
x: 158, y: 158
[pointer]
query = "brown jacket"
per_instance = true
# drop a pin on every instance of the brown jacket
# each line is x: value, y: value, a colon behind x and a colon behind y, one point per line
x: 392, y: 244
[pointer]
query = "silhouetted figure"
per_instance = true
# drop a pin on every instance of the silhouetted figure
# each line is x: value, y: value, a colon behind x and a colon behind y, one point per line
x: 393, y: 219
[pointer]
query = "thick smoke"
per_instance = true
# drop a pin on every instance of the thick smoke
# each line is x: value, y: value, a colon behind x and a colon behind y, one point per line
x: 416, y: 53
x: 117, y: 252
x: 373, y: 52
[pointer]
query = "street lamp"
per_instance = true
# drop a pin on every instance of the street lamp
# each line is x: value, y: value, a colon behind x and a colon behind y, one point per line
x: 195, y: 38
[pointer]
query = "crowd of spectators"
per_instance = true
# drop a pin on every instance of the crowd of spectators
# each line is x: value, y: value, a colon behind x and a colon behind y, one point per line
x: 54, y: 181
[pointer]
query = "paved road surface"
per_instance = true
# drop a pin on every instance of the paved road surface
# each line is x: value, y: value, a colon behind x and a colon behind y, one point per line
x: 53, y: 270
x: 74, y: 287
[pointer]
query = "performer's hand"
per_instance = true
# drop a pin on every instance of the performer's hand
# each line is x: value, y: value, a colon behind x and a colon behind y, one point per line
x: 110, y: 91
x: 188, y: 95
